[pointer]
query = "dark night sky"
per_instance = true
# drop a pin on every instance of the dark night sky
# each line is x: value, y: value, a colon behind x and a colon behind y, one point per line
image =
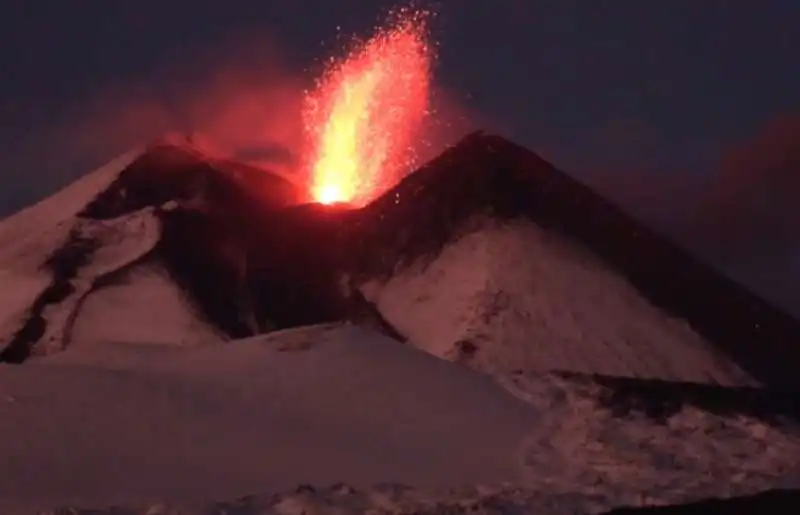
x: 685, y: 111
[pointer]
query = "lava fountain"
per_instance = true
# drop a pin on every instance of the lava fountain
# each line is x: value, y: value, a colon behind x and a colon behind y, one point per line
x: 365, y: 110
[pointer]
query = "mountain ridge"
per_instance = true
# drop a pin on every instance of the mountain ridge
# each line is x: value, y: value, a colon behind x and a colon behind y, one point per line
x: 252, y: 257
x: 510, y: 181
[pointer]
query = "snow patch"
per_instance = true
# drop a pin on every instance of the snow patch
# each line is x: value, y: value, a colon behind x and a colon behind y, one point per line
x: 144, y: 306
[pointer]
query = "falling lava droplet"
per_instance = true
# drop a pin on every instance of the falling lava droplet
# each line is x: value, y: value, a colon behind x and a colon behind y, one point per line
x: 365, y: 110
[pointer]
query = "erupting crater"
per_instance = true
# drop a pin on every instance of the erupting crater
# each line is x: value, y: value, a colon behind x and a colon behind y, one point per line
x: 365, y: 110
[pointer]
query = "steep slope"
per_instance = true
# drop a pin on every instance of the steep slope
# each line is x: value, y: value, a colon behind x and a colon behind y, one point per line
x: 148, y: 427
x: 604, y: 293
x: 29, y: 236
x: 127, y: 221
x: 512, y: 296
x: 217, y: 214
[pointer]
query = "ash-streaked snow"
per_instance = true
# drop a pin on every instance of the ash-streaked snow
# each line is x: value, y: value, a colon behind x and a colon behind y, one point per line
x: 27, y: 231
x: 585, y: 445
x: 511, y: 296
x: 110, y: 246
x: 56, y: 265
x: 118, y: 243
x: 28, y: 237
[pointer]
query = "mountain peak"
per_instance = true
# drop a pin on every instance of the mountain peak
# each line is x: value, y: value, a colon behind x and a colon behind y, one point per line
x: 179, y: 172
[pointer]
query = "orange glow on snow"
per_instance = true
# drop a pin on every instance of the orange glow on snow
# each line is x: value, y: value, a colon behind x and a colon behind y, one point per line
x: 365, y: 110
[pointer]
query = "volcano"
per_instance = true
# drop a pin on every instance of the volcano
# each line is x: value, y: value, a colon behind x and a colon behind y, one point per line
x: 487, y: 256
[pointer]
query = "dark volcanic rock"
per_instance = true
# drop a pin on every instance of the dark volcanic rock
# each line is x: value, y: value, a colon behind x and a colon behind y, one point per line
x: 235, y: 239
x: 659, y: 400
x: 296, y: 266
x: 772, y: 502
x: 171, y: 173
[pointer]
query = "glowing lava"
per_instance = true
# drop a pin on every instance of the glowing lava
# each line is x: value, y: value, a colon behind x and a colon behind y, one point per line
x: 365, y: 110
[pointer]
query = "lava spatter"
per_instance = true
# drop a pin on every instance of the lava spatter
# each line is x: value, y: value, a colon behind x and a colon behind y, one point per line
x: 365, y: 110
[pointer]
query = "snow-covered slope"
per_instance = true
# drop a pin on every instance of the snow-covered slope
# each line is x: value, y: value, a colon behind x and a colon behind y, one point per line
x: 84, y: 264
x: 511, y: 296
x: 50, y: 258
x: 29, y: 236
x: 133, y: 425
x: 490, y: 255
x: 321, y: 405
x: 30, y: 231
